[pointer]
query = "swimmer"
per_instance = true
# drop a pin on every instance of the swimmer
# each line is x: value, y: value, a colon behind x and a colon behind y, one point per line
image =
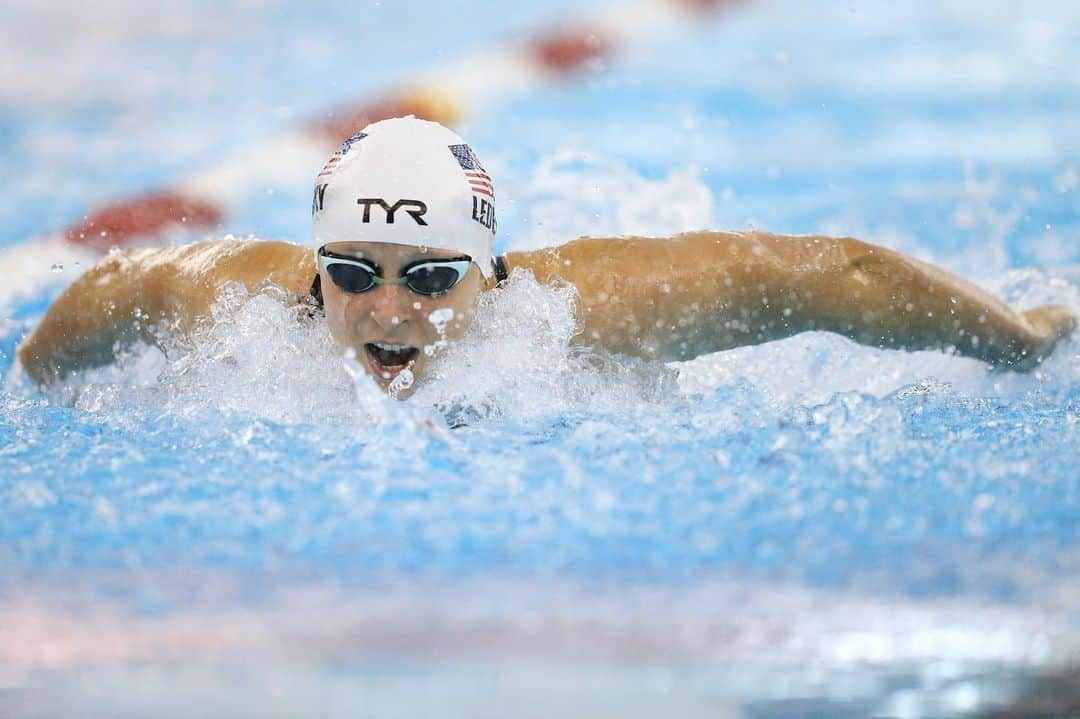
x: 404, y: 229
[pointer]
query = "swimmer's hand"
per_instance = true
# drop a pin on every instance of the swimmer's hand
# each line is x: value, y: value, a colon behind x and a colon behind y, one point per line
x: 1049, y: 325
x: 680, y: 297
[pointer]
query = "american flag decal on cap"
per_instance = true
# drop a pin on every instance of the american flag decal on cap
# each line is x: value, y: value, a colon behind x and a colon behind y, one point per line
x: 328, y: 168
x: 479, y: 181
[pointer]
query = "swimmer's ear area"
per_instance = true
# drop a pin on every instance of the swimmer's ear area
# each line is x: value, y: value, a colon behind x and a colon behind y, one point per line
x: 1050, y: 324
x: 315, y: 298
x: 500, y: 271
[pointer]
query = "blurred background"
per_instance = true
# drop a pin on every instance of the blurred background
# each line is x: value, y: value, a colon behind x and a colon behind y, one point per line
x: 858, y: 116
x: 807, y: 528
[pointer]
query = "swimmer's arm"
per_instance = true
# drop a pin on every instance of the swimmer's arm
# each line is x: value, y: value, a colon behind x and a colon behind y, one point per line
x: 97, y: 313
x: 134, y: 294
x: 700, y: 292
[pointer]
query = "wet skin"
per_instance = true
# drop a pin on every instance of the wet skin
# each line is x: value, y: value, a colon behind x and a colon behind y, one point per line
x: 668, y: 299
x: 394, y: 314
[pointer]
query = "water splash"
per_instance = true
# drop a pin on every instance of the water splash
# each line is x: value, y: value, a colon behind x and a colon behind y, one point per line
x: 440, y: 318
x: 261, y: 355
x: 258, y: 354
x: 519, y: 358
x: 572, y: 193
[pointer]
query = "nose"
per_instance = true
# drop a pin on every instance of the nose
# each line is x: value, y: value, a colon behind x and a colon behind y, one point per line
x: 389, y: 306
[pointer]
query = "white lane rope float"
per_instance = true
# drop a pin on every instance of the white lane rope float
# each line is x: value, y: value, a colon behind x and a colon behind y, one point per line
x: 203, y: 201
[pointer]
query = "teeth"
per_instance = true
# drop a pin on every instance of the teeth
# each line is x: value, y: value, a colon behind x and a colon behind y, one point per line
x: 391, y: 355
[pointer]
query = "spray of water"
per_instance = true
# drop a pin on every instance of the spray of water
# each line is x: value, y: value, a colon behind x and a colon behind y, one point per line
x: 261, y: 355
x: 519, y: 357
x: 571, y: 193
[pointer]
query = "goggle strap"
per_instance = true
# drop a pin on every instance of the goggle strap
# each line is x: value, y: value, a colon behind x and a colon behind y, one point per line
x: 498, y: 263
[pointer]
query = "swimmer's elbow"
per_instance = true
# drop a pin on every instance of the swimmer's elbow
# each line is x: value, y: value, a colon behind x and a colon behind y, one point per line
x: 41, y: 357
x: 86, y: 321
x: 30, y: 362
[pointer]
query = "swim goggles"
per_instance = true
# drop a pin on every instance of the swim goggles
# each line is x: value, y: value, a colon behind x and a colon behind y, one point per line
x: 424, y: 277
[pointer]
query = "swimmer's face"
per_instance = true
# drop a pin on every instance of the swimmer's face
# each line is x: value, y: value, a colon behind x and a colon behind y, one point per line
x: 391, y: 327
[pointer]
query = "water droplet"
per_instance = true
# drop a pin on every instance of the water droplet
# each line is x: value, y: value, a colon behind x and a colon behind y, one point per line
x: 402, y: 382
x: 56, y: 268
x: 440, y: 318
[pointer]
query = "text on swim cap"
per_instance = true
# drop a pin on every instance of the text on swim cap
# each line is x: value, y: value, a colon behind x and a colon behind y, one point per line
x: 417, y: 213
x: 484, y: 213
x: 317, y: 200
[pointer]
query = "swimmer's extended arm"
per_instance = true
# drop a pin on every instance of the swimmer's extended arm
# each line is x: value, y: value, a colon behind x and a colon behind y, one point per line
x: 130, y: 294
x: 699, y: 292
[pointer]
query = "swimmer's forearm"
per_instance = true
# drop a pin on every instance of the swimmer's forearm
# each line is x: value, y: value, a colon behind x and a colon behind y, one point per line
x: 884, y: 299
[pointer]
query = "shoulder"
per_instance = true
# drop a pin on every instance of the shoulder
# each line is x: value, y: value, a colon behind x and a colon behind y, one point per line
x: 216, y: 262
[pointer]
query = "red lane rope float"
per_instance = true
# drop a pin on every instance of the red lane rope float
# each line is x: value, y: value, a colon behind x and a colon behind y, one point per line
x: 152, y: 214
x: 569, y: 50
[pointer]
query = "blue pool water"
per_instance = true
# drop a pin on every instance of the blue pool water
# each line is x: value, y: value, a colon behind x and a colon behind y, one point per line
x: 808, y: 505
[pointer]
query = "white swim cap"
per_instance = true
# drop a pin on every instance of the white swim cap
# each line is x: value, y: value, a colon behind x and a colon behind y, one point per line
x: 408, y: 182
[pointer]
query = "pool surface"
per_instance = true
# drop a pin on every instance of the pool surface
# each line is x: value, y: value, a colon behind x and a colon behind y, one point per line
x: 804, y: 528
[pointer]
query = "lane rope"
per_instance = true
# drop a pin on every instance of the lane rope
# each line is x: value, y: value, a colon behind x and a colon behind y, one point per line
x: 203, y: 201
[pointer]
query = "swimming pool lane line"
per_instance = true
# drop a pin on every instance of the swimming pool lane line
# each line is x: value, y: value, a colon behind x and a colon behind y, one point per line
x: 203, y: 201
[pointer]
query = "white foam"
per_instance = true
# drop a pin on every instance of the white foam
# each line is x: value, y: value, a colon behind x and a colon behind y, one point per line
x: 572, y: 193
x: 258, y: 356
x: 261, y: 356
x: 519, y: 358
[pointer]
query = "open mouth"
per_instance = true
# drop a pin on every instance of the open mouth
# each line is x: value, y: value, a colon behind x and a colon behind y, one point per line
x: 388, y: 359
